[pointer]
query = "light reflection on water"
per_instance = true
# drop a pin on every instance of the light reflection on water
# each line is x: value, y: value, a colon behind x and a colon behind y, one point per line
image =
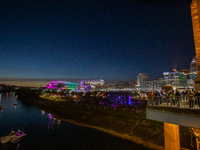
x: 1, y: 112
x: 45, y: 132
x: 53, y: 122
x: 43, y: 112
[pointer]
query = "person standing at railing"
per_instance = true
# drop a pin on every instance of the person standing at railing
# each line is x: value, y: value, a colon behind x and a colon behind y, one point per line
x: 172, y: 96
x: 164, y: 96
x: 184, y: 95
x: 160, y: 96
x: 190, y: 95
x: 197, y: 96
x: 152, y: 97
x: 157, y: 97
x: 193, y: 91
x: 178, y: 98
x: 168, y: 97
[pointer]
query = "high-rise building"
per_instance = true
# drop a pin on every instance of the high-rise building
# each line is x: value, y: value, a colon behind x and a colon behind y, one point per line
x: 152, y: 85
x: 185, y: 71
x: 193, y: 73
x: 177, y: 79
x: 193, y: 68
x: 195, y: 14
x: 141, y: 78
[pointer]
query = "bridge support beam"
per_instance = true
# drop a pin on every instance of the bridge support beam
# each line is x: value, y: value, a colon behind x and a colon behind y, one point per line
x: 172, y: 137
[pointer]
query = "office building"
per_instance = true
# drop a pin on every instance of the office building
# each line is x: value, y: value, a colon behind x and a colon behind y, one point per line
x: 177, y: 79
x: 185, y: 71
x: 141, y: 78
x: 193, y: 69
x: 152, y: 85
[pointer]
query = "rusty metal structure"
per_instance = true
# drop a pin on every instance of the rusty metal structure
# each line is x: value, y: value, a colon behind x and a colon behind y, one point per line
x: 195, y: 14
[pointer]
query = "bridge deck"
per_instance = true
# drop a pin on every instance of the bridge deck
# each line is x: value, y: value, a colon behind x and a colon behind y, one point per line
x: 179, y: 102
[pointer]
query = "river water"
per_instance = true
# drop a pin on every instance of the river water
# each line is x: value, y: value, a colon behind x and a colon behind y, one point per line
x: 44, y: 132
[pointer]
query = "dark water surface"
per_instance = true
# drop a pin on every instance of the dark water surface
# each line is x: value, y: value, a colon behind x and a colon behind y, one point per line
x: 44, y: 132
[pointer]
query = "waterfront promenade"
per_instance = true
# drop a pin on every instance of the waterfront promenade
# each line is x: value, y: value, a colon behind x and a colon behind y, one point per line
x: 175, y: 111
x: 175, y: 102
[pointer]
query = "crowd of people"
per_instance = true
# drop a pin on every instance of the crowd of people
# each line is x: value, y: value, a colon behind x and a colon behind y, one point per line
x: 175, y: 97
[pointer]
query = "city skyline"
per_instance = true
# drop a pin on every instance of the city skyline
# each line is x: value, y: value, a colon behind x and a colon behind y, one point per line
x: 114, y: 40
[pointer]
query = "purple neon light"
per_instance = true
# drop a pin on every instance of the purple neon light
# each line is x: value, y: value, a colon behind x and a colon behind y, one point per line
x: 129, y: 99
x: 50, y: 116
x: 19, y: 133
x: 52, y: 84
x: 114, y: 105
x: 51, y: 87
x: 64, y: 82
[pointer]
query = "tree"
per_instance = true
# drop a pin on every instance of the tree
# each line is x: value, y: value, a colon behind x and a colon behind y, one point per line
x: 88, y: 94
x: 80, y: 93
x: 94, y: 93
x: 73, y: 93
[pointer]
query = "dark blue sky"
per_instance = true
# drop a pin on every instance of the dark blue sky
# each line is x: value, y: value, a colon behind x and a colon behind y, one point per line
x: 112, y: 40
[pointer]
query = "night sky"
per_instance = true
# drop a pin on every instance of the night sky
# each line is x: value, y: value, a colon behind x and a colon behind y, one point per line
x: 112, y: 40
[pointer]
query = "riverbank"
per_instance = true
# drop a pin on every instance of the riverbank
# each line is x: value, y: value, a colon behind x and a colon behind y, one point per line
x: 123, y: 123
x: 116, y: 126
x: 124, y: 136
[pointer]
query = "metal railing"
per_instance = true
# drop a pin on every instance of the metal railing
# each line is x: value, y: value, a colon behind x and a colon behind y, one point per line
x: 174, y: 101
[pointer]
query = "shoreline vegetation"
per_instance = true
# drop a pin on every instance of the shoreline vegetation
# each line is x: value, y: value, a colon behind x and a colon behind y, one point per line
x: 110, y: 131
x: 125, y: 123
x: 124, y: 136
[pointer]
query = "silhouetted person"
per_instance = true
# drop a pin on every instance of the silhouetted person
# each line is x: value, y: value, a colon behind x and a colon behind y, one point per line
x: 178, y: 98
x: 197, y: 94
x: 190, y: 95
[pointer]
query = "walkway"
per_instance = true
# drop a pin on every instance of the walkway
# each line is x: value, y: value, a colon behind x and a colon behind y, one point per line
x: 179, y: 102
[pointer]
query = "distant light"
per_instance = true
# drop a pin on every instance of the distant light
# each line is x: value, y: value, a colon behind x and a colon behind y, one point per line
x: 129, y: 100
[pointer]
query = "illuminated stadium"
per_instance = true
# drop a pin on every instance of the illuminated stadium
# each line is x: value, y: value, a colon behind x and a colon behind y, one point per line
x: 92, y: 82
x: 61, y: 85
x: 91, y: 85
x: 83, y: 86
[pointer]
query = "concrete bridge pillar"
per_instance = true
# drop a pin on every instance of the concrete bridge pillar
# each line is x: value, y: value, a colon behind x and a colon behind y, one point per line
x: 195, y: 14
x: 172, y: 137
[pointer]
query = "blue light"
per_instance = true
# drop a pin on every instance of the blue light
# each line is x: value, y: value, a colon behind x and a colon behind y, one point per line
x: 129, y: 100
